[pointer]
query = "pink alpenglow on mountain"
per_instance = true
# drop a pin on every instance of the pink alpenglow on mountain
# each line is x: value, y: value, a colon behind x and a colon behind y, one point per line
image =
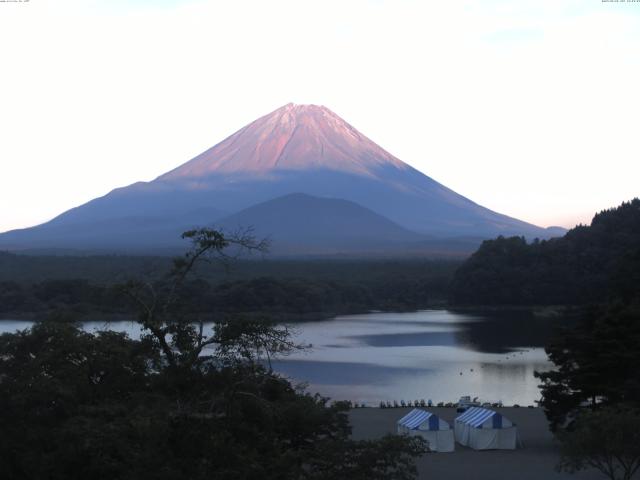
x: 302, y: 175
x: 294, y: 137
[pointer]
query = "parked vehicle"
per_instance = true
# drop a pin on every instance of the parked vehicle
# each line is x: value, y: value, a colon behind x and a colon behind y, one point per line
x: 466, y: 402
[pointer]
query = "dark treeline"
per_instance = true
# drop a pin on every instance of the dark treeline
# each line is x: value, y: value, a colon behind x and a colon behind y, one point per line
x: 183, y: 401
x: 589, y: 264
x: 318, y: 288
x: 592, y: 396
x: 110, y: 269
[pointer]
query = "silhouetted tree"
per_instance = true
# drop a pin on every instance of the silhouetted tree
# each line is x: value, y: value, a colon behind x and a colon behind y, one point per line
x: 180, y: 341
x: 75, y: 405
x: 589, y: 264
x: 596, y: 363
x: 607, y: 440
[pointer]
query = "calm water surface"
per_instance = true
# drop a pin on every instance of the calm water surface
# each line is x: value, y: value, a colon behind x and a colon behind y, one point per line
x: 432, y: 354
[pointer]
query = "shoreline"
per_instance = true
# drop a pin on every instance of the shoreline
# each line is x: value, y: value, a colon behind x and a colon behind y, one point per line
x: 541, y: 311
x: 534, y: 461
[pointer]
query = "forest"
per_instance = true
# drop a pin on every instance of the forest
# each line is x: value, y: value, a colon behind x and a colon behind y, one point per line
x: 592, y: 396
x: 78, y: 405
x: 589, y: 264
x: 35, y: 287
x: 106, y: 406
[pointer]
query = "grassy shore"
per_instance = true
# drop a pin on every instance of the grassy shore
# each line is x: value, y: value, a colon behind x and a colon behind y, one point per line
x: 535, y: 461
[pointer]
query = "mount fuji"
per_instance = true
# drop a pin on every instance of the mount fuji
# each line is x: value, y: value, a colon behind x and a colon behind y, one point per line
x: 303, y: 156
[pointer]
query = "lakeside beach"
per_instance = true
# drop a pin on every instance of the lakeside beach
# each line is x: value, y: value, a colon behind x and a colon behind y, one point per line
x: 536, y: 459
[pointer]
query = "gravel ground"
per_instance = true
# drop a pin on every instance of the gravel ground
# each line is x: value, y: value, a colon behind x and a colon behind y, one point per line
x: 535, y: 461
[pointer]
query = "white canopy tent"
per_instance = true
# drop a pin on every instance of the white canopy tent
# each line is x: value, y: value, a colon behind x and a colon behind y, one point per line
x: 483, y: 429
x: 430, y: 427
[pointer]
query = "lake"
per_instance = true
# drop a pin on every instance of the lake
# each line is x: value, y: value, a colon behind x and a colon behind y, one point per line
x: 432, y: 354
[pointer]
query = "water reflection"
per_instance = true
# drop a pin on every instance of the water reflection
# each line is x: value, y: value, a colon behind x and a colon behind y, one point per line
x: 343, y: 373
x: 416, y: 339
x: 435, y: 354
x: 501, y: 332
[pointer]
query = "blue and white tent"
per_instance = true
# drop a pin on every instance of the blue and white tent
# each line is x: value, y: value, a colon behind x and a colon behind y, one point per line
x: 430, y: 427
x: 483, y: 429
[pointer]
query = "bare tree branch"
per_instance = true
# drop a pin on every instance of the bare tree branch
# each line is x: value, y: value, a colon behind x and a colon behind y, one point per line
x: 187, y: 342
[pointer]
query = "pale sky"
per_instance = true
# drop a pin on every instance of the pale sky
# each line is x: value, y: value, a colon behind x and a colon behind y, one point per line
x: 529, y: 108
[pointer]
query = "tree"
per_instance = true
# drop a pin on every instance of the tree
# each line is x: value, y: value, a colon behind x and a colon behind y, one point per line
x: 75, y: 405
x: 588, y: 264
x: 65, y: 397
x: 596, y: 363
x: 607, y: 440
x: 180, y: 341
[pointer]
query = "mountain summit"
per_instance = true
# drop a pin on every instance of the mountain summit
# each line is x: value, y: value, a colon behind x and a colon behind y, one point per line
x: 293, y: 137
x: 304, y: 149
